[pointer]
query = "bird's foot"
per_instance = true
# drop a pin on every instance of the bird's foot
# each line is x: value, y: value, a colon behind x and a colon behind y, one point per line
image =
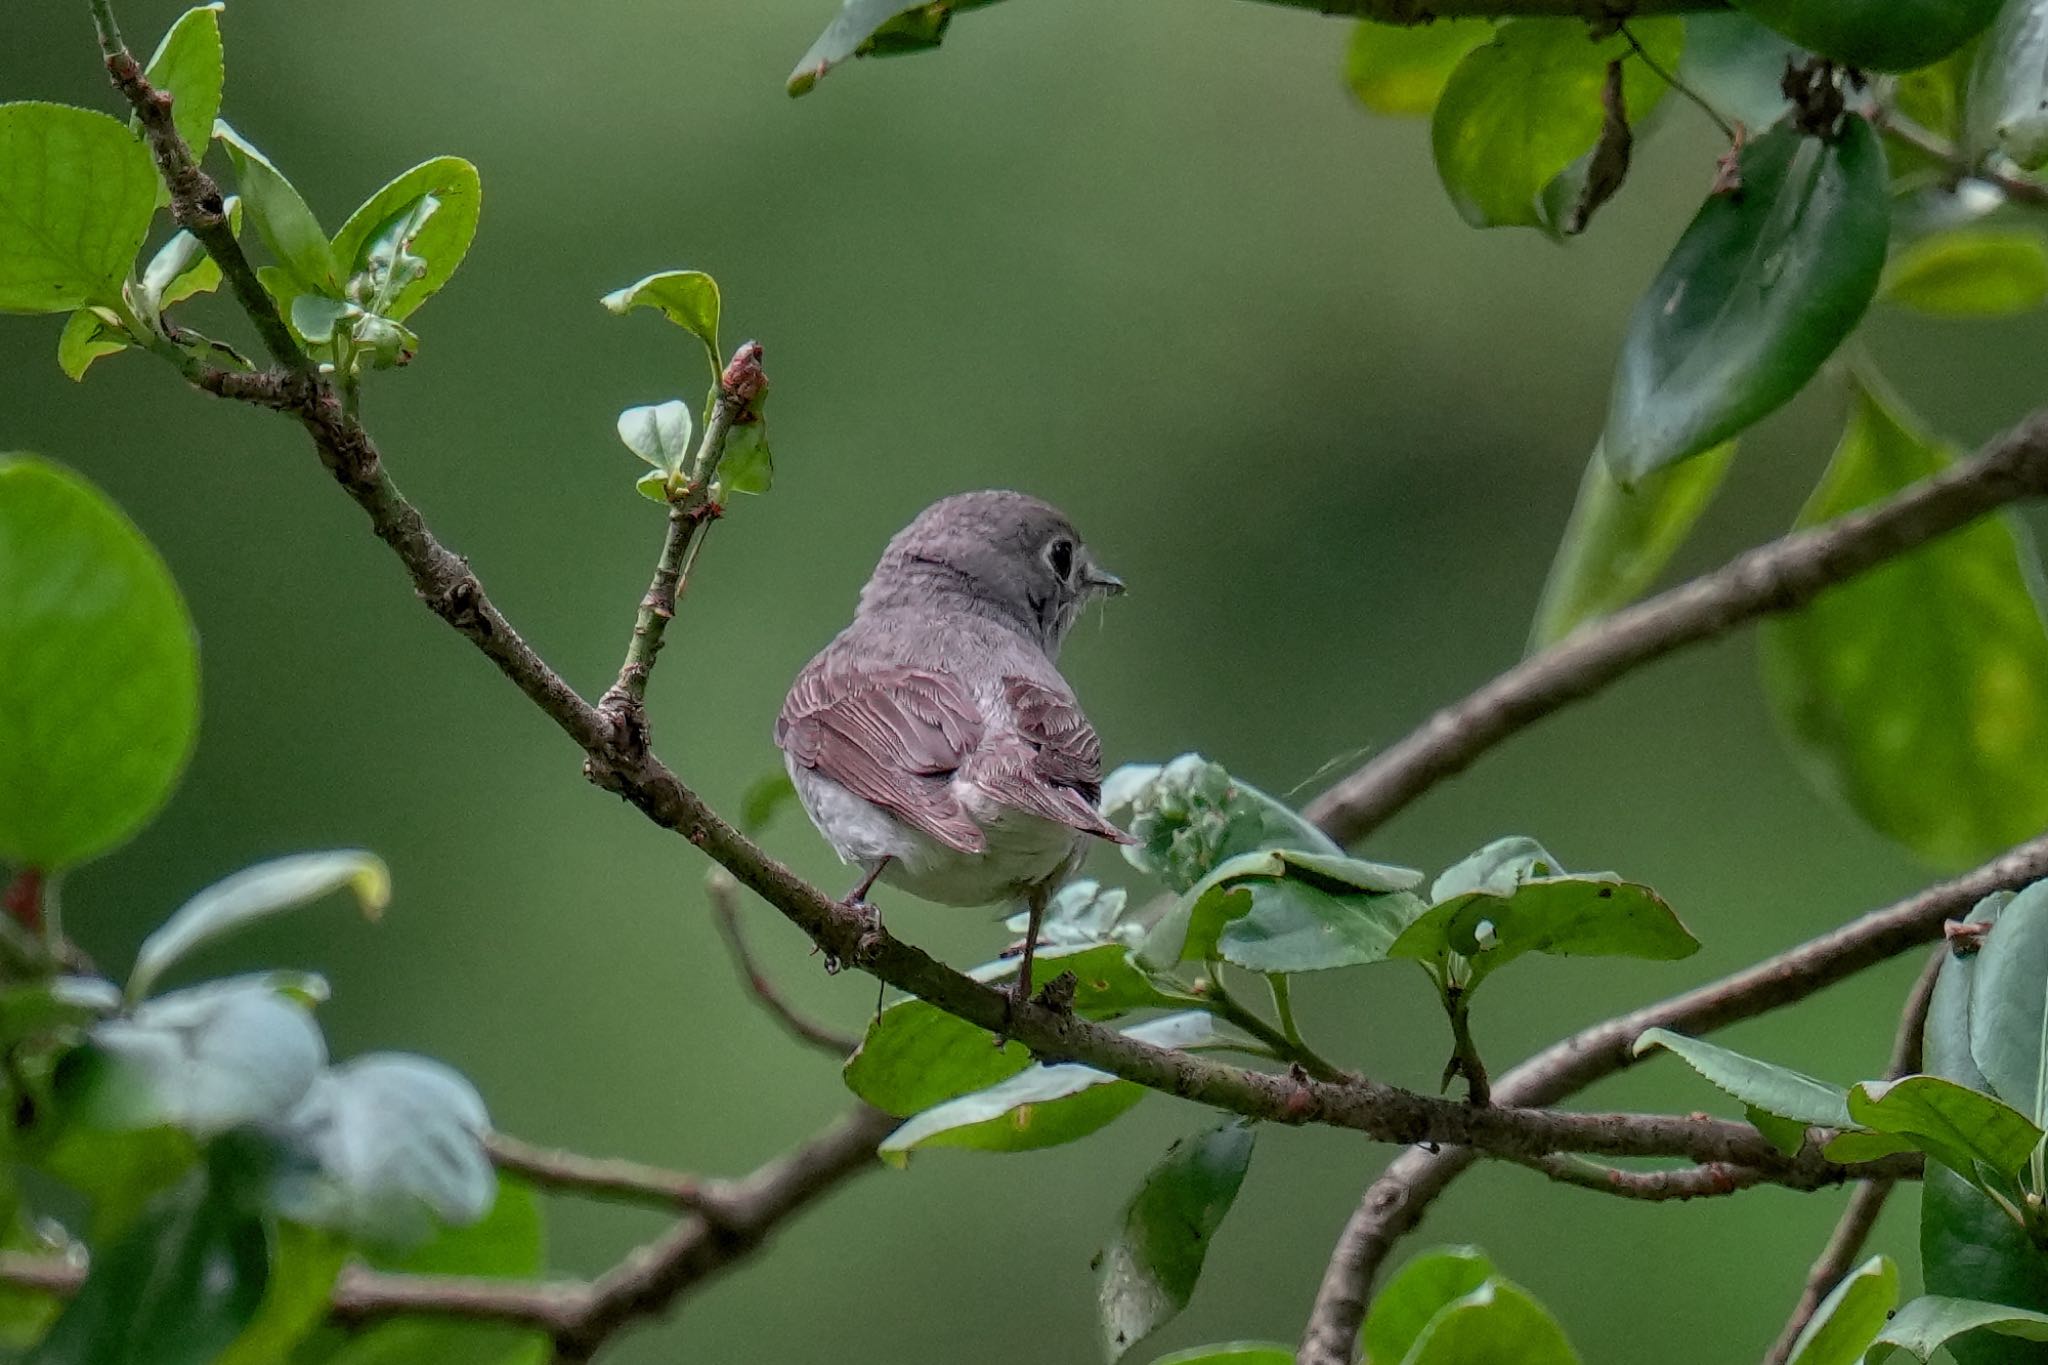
x: 1012, y: 999
x: 871, y: 935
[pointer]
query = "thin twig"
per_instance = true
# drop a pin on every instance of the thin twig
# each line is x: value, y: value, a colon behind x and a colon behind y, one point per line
x: 1779, y: 577
x: 1708, y: 1181
x: 1671, y: 79
x: 608, y: 1178
x: 1957, y: 166
x: 1860, y: 1215
x: 1395, y: 1202
x: 724, y: 894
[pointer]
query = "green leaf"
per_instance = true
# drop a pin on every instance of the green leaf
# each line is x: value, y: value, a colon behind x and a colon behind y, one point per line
x: 2007, y: 991
x: 1402, y: 70
x: 1930, y: 1322
x: 188, y: 65
x: 1787, y: 1135
x: 304, y: 1263
x: 282, y: 219
x: 99, y: 675
x: 1620, y: 538
x: 1232, y: 1353
x: 1737, y: 65
x: 203, y: 1060
x: 257, y: 893
x: 1881, y: 35
x: 1517, y: 113
x: 316, y: 316
x: 80, y: 193
x: 1773, y: 1089
x: 381, y: 1147
x: 507, y: 1244
x: 34, y: 1007
x: 89, y: 335
x: 1970, y: 1247
x: 1496, y: 1324
x: 916, y: 1055
x: 874, y: 28
x: 1919, y: 692
x: 1420, y: 1290
x: 1044, y: 1106
x: 2006, y: 98
x: 180, y: 270
x: 1953, y: 1124
x: 430, y: 212
x: 688, y: 298
x: 1506, y: 900
x: 1147, y: 1272
x: 747, y: 465
x: 1970, y: 273
x: 175, y: 1289
x: 1190, y: 815
x: 1280, y: 910
x: 1849, y: 1318
x: 1759, y: 291
x: 659, y: 433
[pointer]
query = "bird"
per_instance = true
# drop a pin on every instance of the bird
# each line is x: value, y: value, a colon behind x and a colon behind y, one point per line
x: 934, y: 742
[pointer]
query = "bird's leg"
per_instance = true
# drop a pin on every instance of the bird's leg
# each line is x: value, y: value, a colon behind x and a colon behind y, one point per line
x: 1035, y: 901
x: 859, y: 895
x: 857, y: 901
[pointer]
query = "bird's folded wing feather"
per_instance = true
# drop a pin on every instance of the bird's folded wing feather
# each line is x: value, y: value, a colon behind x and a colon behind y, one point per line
x: 1052, y: 766
x: 892, y: 735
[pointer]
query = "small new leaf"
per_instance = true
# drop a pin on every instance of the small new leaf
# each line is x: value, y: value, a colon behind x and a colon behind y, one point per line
x: 660, y: 433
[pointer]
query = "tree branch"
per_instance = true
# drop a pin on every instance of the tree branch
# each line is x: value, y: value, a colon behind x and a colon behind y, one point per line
x: 1394, y: 1203
x: 1781, y: 576
x: 606, y: 1178
x: 723, y: 893
x: 1694, y: 1182
x: 1853, y: 1228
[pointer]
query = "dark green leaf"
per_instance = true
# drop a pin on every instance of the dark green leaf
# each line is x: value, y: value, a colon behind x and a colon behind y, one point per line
x: 1737, y: 65
x: 917, y: 1055
x: 1147, y: 1273
x: 1190, y: 815
x: 1787, y: 1135
x: 203, y: 1060
x: 1517, y: 113
x: 1044, y: 1106
x: 303, y: 1265
x: 1919, y: 692
x: 1496, y: 1324
x: 282, y: 219
x: 1422, y: 1288
x: 1928, y: 1323
x: 80, y: 193
x: 256, y: 893
x: 175, y: 1289
x: 1775, y: 1090
x: 1970, y: 1246
x: 383, y: 1145
x: 188, y: 65
x: 89, y: 334
x: 99, y: 676
x: 1759, y: 291
x: 659, y: 434
x: 1882, y: 35
x: 1848, y: 1319
x: 430, y: 213
x: 1970, y: 273
x: 1231, y: 1353
x: 2007, y: 95
x: 1619, y: 538
x: 1957, y: 1126
x: 688, y: 298
x: 1402, y: 70
x: 2007, y: 990
x: 507, y: 1244
x: 747, y: 465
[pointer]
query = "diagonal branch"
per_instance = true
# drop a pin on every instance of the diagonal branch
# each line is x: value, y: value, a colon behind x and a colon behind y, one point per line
x: 723, y: 893
x: 606, y: 1178
x: 1395, y: 1202
x: 1781, y: 576
x: 1692, y: 1182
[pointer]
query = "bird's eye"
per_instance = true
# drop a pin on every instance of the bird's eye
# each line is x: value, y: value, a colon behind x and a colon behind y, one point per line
x: 1060, y: 554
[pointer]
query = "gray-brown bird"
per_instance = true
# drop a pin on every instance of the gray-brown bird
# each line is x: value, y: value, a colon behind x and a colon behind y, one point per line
x: 934, y: 742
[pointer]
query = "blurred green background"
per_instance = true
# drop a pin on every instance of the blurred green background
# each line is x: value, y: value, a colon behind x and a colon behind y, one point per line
x: 1144, y: 259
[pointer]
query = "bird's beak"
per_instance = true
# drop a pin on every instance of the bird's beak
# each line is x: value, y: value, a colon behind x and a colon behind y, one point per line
x: 1105, y: 582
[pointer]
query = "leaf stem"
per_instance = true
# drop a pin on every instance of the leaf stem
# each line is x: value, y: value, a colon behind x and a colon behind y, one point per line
x: 1671, y: 79
x: 1465, y: 1059
x: 1220, y: 1002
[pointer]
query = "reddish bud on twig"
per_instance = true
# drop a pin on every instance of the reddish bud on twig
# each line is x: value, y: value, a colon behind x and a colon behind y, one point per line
x: 23, y: 899
x: 744, y: 378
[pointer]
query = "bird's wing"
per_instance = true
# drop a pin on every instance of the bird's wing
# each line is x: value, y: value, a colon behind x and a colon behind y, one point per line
x: 891, y: 734
x: 1053, y: 766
